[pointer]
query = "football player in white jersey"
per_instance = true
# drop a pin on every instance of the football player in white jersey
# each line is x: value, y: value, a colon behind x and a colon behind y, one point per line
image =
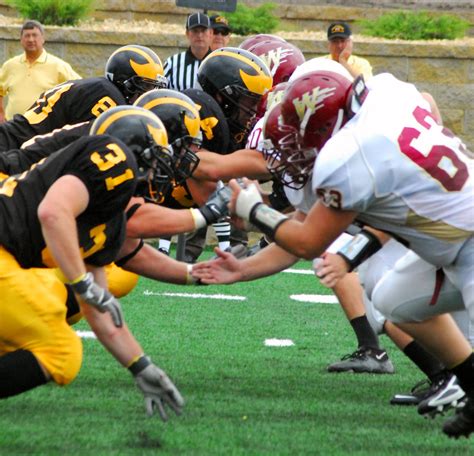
x: 381, y: 158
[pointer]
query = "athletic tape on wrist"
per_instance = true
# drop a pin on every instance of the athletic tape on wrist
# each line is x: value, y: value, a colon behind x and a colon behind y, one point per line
x: 199, y: 220
x: 266, y: 219
x: 359, y: 248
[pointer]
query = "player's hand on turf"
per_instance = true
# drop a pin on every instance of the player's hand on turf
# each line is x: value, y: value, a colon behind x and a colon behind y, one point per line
x: 226, y: 268
x: 159, y: 391
x: 99, y: 298
x: 330, y: 268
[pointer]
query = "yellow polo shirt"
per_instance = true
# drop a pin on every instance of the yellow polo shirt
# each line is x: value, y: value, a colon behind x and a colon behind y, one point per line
x: 359, y: 64
x: 23, y: 82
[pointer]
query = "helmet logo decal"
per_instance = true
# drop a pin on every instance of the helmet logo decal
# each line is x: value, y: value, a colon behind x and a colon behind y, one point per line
x: 309, y: 103
x: 275, y: 57
x: 158, y: 134
x: 207, y: 126
x: 146, y: 70
x: 192, y: 125
x: 258, y: 84
x: 274, y: 97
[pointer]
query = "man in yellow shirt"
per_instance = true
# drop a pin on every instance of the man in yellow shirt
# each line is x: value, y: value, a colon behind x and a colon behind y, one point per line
x: 24, y: 77
x: 340, y: 49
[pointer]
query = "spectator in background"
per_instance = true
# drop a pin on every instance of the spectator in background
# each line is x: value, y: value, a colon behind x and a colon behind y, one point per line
x: 181, y: 68
x: 24, y: 77
x: 220, y: 32
x: 340, y: 49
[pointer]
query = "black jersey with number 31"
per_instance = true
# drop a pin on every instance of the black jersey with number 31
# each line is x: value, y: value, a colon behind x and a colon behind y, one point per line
x: 105, y: 166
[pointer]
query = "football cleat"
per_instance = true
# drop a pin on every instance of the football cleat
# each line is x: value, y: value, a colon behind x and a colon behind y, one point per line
x: 462, y: 423
x: 364, y: 359
x: 445, y: 393
x: 415, y: 396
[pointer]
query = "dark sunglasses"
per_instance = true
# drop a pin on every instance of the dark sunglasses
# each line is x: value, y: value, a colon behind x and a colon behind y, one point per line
x: 222, y: 32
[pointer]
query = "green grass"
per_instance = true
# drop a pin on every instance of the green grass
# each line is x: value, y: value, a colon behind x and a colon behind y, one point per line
x: 242, y: 398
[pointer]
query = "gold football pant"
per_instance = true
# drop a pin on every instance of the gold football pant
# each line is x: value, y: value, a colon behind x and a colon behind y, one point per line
x: 33, y: 318
x: 33, y: 315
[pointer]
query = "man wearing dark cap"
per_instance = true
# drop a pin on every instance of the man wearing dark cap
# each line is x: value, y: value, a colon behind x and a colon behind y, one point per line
x: 220, y: 32
x: 181, y: 68
x: 340, y: 49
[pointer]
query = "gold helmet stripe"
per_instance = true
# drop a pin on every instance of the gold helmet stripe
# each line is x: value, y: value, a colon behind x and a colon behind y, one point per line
x: 259, y: 83
x: 146, y: 70
x: 158, y: 133
x: 169, y: 100
x: 192, y: 124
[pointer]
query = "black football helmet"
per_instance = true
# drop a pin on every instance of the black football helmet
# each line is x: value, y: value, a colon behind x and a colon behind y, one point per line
x: 134, y: 70
x: 145, y: 135
x: 236, y: 79
x: 181, y: 118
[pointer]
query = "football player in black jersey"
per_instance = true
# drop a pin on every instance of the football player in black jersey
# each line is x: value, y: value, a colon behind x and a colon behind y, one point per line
x: 130, y: 71
x: 68, y: 211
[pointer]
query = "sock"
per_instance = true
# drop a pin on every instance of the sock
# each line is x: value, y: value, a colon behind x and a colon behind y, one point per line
x: 164, y: 245
x: 19, y: 372
x: 465, y: 374
x: 425, y: 361
x: 365, y: 334
x: 222, y: 230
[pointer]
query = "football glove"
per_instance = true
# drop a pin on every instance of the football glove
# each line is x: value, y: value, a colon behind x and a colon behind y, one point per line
x: 99, y: 298
x: 215, y: 208
x: 157, y: 388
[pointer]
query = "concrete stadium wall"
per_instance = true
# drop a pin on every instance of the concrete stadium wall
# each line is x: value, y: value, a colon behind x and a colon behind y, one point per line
x: 446, y: 71
x: 293, y: 14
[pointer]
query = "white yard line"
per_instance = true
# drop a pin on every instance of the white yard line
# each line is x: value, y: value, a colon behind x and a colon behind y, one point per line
x: 279, y: 342
x: 320, y: 299
x: 196, y: 295
x: 299, y: 271
x: 86, y: 334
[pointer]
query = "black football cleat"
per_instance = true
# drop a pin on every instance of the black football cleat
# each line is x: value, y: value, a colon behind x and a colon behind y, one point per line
x: 445, y: 393
x: 364, y: 360
x: 462, y: 423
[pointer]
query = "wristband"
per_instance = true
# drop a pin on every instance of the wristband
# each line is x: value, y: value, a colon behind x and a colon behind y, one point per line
x: 199, y: 220
x: 82, y: 284
x: 266, y: 219
x: 138, y: 364
x: 359, y: 248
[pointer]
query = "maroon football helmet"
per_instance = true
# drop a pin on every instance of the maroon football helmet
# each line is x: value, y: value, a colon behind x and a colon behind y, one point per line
x: 315, y: 105
x: 274, y: 95
x: 284, y: 158
x: 313, y: 109
x: 282, y: 58
x: 252, y: 40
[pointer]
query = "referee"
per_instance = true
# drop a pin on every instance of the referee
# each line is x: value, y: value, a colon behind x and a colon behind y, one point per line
x: 181, y: 69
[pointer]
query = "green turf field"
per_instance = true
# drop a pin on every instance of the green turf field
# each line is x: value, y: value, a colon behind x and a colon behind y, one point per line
x: 242, y: 397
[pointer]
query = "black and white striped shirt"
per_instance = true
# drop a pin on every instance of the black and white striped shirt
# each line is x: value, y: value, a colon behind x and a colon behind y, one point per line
x: 181, y: 70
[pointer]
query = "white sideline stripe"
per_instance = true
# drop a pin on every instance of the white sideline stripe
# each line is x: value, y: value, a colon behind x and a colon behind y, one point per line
x: 86, y: 334
x: 197, y: 296
x: 279, y: 342
x: 299, y: 271
x: 321, y: 299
